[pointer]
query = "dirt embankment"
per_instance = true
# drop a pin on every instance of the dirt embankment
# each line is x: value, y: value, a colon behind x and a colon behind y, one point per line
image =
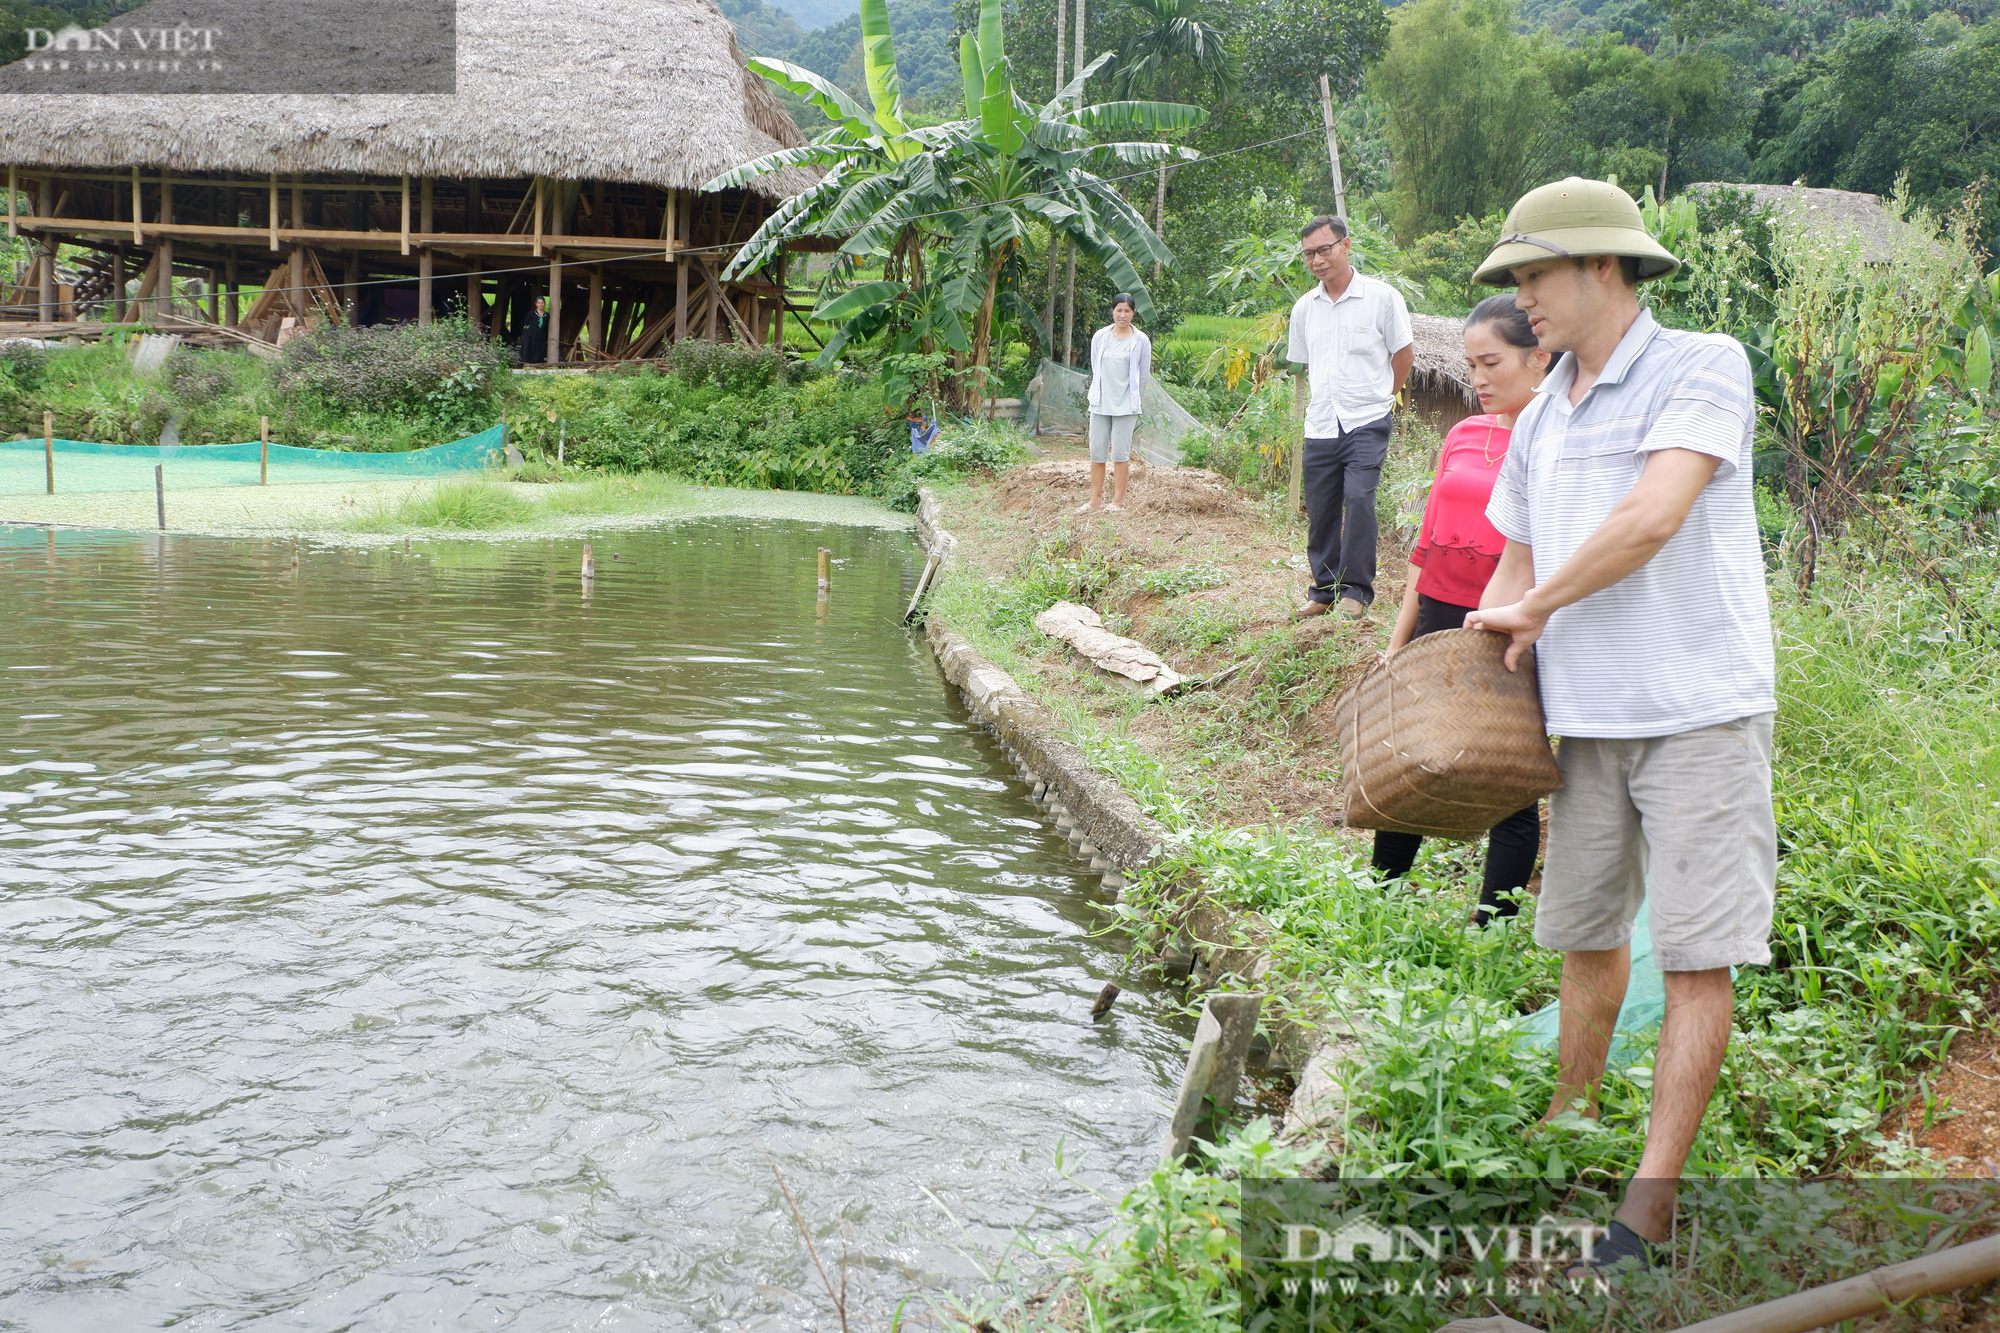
x: 1207, y: 576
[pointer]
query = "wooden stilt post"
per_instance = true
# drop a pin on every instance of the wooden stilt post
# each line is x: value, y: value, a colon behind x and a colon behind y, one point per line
x: 784, y: 299
x: 475, y: 294
x: 296, y: 283
x: 232, y: 304
x: 538, y: 193
x: 13, y: 208
x: 138, y: 210
x: 555, y: 308
x: 271, y: 212
x: 424, y: 276
x: 354, y: 289
x: 406, y: 215
x: 680, y: 299
x: 118, y: 285
x: 594, y: 318
x: 165, y: 288
x: 214, y: 297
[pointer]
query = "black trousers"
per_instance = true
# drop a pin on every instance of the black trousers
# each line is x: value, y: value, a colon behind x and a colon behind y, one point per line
x: 1338, y: 488
x: 1514, y: 841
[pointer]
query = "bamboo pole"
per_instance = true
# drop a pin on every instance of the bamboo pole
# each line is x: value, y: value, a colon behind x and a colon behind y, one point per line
x: 1332, y: 148
x: 160, y: 494
x: 923, y: 582
x: 263, y: 451
x: 1296, y: 484
x: 1867, y: 1294
x: 589, y: 565
x: 49, y: 447
x: 825, y: 570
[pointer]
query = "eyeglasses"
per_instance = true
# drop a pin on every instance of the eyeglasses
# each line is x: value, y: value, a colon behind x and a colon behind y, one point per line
x: 1322, y: 251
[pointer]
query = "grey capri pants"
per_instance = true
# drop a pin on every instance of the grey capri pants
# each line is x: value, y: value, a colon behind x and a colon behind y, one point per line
x: 1111, y: 438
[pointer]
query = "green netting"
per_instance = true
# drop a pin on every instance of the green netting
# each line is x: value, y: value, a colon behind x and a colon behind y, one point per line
x: 83, y: 467
x: 1059, y: 400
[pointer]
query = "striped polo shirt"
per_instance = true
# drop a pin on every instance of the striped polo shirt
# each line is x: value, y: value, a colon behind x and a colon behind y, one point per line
x: 1684, y: 641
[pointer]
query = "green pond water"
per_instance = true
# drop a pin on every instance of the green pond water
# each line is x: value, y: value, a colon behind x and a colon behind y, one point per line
x: 407, y: 941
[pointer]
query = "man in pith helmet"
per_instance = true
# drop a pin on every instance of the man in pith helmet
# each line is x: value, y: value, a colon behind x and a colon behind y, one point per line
x: 1632, y: 564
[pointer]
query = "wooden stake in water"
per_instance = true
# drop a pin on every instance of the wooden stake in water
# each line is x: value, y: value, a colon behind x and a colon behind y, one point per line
x: 589, y: 564
x: 160, y: 493
x: 1215, y: 1068
x: 49, y: 447
x: 263, y: 451
x: 825, y: 570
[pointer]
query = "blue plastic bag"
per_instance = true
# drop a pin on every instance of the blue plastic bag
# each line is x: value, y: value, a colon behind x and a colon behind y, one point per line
x: 1644, y: 1008
x: 923, y: 432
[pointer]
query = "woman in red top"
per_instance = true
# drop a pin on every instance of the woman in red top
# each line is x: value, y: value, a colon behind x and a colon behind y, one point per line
x: 1456, y: 553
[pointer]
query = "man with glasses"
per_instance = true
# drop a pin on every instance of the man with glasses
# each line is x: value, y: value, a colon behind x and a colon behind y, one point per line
x: 1352, y: 333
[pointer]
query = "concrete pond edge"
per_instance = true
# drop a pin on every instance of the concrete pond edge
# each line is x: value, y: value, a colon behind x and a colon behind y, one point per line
x: 1108, y: 829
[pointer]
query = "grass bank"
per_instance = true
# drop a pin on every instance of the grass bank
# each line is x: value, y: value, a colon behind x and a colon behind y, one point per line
x: 1888, y: 790
x: 480, y: 508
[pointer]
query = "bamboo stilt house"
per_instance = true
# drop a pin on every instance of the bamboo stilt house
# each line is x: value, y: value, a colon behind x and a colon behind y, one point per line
x: 565, y: 165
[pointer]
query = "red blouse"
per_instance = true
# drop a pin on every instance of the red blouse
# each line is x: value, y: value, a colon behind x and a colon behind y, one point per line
x: 1457, y: 547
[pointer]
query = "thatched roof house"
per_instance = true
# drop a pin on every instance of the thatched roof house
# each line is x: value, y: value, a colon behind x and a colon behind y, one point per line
x: 1845, y: 213
x: 568, y: 157
x: 1439, y: 386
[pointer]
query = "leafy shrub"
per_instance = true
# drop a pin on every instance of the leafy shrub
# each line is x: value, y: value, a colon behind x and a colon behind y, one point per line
x: 731, y: 367
x: 446, y: 376
x: 23, y: 364
x: 195, y: 378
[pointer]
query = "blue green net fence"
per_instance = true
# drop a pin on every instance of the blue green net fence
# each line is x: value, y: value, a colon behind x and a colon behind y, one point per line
x: 83, y: 467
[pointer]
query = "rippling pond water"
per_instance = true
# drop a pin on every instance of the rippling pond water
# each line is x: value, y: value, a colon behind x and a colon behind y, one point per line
x: 406, y: 941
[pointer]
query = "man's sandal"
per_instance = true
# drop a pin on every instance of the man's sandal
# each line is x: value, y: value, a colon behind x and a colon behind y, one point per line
x: 1620, y: 1251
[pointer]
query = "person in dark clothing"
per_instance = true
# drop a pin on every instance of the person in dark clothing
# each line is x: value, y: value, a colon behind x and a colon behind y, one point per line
x: 1456, y: 553
x: 535, y: 334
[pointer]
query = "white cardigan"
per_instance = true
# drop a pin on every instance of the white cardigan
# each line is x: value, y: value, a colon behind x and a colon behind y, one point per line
x: 1142, y: 370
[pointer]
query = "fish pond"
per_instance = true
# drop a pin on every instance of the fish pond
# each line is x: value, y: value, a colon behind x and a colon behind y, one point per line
x: 407, y: 940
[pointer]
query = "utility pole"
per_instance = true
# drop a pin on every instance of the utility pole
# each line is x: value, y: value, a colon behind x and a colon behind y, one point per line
x: 1049, y: 305
x: 1332, y: 146
x: 1069, y: 300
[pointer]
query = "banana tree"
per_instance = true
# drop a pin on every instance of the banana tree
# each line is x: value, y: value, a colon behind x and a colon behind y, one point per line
x: 951, y: 210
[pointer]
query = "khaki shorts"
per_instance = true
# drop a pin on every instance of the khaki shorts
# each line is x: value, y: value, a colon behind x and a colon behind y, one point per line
x: 1688, y: 816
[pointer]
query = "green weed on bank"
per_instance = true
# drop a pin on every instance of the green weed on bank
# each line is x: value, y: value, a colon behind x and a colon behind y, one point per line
x: 1887, y: 777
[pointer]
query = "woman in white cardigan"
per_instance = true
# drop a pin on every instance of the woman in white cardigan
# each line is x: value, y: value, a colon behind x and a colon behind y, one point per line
x: 1121, y: 361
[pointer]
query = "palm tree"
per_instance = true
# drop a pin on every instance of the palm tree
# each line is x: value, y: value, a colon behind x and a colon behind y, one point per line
x: 949, y: 209
x: 1179, y: 50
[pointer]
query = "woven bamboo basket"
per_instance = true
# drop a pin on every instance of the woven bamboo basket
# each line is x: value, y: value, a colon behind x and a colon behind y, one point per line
x: 1442, y: 739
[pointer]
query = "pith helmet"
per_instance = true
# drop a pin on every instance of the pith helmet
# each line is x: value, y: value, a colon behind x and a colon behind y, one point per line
x: 1569, y: 219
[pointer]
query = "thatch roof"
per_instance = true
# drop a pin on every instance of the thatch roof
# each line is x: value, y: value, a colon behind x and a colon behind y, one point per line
x: 1830, y: 212
x: 1440, y: 360
x: 639, y: 91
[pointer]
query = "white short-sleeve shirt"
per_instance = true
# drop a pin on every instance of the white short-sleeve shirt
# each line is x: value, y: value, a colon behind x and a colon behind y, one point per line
x: 1345, y: 346
x: 1684, y: 641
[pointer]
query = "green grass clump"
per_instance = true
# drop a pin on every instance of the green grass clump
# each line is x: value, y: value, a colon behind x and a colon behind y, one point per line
x: 470, y: 504
x: 1182, y: 579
